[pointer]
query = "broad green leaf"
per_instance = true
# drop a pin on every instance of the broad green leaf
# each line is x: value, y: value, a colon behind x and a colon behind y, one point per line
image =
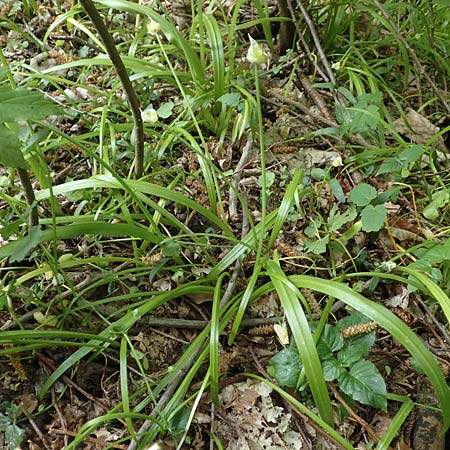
x: 364, y: 384
x: 178, y: 421
x: 231, y: 99
x: 22, y: 104
x: 25, y: 244
x: 437, y: 254
x: 170, y: 248
x: 317, y: 247
x: 373, y: 217
x: 431, y: 212
x: 352, y: 353
x: 331, y: 369
x: 343, y: 116
x: 10, y: 149
x: 330, y: 341
x: 337, y: 190
x: 391, y: 165
x: 412, y: 153
x: 336, y: 219
x: 165, y: 110
x: 362, y: 194
x: 286, y: 367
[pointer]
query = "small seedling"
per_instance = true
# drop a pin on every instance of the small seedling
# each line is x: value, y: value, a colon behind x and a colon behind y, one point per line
x: 13, y: 433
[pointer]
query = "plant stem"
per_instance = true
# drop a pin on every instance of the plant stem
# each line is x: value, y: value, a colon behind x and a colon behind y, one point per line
x: 29, y: 195
x: 94, y: 15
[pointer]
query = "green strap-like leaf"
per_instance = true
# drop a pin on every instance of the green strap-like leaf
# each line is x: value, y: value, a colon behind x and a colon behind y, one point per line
x: 288, y: 294
x: 393, y: 325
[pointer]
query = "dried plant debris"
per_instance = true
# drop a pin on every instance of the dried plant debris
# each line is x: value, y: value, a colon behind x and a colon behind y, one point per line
x: 419, y: 129
x: 252, y: 422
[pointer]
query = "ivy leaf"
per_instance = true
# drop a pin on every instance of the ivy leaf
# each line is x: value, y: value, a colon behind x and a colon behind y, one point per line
x: 14, y: 436
x: 22, y: 104
x: 10, y: 149
x: 362, y: 194
x: 373, y: 217
x: 364, y: 384
x: 286, y: 367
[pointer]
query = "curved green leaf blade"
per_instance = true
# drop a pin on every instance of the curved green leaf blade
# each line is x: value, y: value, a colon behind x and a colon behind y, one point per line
x: 288, y: 294
x: 393, y: 325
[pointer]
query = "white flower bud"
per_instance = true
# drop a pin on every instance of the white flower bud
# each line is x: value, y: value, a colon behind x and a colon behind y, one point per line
x: 337, y: 162
x: 256, y: 53
x: 150, y: 116
x: 153, y: 27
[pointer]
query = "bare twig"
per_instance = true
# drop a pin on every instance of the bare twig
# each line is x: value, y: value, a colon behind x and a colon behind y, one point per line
x: 51, y: 366
x: 88, y: 439
x: 370, y: 431
x: 94, y: 15
x: 245, y: 156
x: 316, y: 40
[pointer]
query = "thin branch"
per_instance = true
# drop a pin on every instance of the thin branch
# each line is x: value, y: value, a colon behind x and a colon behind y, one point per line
x: 316, y: 40
x: 29, y: 196
x: 94, y: 15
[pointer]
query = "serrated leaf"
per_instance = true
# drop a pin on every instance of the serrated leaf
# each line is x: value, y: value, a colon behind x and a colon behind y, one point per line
x: 22, y: 104
x: 25, y: 244
x: 364, y: 384
x: 10, y: 149
x: 362, y: 194
x: 330, y: 341
x: 337, y: 219
x: 373, y: 217
x: 286, y: 367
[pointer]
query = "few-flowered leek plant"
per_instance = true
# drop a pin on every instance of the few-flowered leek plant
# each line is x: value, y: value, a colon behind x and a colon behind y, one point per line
x: 256, y: 53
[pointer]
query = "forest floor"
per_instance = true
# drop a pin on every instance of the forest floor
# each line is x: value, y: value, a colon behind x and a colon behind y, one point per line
x: 328, y: 163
